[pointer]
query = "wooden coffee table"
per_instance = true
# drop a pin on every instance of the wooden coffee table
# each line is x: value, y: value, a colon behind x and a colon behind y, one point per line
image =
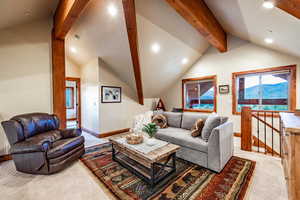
x: 151, y: 167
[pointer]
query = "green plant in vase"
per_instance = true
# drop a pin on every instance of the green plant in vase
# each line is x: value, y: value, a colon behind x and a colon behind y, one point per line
x: 151, y: 129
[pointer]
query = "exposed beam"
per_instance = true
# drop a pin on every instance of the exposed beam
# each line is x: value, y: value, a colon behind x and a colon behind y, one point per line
x: 66, y: 14
x: 290, y: 6
x: 58, y: 79
x: 199, y: 15
x: 131, y: 25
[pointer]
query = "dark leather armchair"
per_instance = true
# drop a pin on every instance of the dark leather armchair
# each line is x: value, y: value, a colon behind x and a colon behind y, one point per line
x: 38, y: 146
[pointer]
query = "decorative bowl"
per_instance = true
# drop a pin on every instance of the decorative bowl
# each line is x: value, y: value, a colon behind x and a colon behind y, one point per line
x: 134, y: 139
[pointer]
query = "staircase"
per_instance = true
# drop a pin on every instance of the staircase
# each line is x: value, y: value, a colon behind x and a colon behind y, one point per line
x: 260, y: 131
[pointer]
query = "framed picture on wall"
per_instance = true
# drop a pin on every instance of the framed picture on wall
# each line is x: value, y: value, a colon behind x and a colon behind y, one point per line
x: 111, y: 94
x: 223, y: 89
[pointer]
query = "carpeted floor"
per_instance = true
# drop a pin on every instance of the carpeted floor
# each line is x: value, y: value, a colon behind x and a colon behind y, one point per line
x: 189, y: 182
x: 78, y: 183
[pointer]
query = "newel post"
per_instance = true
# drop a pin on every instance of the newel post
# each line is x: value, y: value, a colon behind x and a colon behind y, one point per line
x: 246, y: 129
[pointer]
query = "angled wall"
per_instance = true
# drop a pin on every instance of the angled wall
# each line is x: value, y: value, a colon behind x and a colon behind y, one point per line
x: 241, y: 56
x: 25, y: 72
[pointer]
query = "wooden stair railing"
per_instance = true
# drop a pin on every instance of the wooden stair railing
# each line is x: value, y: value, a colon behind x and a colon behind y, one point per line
x: 248, y: 140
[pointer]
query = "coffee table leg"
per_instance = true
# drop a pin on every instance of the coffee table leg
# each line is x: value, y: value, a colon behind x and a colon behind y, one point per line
x: 113, y: 152
x: 174, y: 162
x: 152, y: 181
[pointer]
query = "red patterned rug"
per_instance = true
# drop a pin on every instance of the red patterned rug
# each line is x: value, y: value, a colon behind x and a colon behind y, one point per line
x: 189, y: 182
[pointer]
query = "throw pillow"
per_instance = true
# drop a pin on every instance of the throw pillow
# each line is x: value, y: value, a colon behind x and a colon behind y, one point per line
x: 211, y: 122
x: 197, y: 128
x: 160, y: 120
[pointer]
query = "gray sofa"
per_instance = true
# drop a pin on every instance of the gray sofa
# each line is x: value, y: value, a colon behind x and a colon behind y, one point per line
x: 213, y: 154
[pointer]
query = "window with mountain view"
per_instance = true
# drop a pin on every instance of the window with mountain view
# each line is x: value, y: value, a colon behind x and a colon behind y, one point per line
x: 269, y: 89
x: 199, y: 94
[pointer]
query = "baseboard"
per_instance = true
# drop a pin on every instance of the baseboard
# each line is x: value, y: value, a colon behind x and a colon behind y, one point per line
x: 90, y: 132
x: 236, y: 134
x: 107, y: 134
x: 5, y: 158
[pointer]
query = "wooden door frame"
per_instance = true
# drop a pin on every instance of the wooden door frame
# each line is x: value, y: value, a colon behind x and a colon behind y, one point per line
x: 78, y: 85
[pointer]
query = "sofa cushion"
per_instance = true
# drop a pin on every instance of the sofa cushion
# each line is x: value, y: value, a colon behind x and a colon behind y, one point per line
x: 35, y: 123
x: 174, y: 119
x: 189, y: 119
x: 182, y: 137
x: 64, y: 146
x: 212, y: 122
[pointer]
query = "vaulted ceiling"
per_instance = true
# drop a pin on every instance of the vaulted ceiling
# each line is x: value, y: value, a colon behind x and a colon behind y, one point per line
x: 105, y: 36
x: 249, y: 20
x: 15, y: 12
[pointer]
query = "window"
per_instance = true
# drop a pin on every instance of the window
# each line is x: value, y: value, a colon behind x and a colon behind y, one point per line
x: 199, y: 94
x: 271, y: 89
x: 69, y: 97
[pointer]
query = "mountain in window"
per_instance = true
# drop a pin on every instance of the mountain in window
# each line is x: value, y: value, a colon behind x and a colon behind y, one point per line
x: 270, y: 91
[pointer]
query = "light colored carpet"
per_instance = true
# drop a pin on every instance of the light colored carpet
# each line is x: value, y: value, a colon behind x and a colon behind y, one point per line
x: 77, y: 183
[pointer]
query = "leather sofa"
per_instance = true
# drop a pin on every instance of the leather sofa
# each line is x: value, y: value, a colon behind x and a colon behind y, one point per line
x: 38, y: 146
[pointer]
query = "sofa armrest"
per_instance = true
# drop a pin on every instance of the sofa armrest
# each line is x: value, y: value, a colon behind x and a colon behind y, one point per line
x: 29, y: 147
x: 220, y: 146
x: 69, y: 133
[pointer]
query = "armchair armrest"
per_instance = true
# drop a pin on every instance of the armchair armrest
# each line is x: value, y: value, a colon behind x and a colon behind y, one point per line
x: 69, y: 133
x: 220, y: 146
x: 29, y: 147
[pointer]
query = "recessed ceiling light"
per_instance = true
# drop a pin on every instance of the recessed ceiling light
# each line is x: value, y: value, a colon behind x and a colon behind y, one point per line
x: 112, y: 10
x: 268, y: 4
x: 155, y: 47
x: 184, y: 61
x: 269, y: 40
x: 73, y: 50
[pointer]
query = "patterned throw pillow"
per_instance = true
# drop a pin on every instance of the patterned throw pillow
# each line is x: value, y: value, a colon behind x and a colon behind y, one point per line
x: 197, y: 128
x: 160, y: 120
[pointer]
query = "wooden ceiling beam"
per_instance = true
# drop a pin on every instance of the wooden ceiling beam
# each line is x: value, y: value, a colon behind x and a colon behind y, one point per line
x: 200, y: 16
x: 290, y: 6
x: 131, y: 25
x: 66, y: 14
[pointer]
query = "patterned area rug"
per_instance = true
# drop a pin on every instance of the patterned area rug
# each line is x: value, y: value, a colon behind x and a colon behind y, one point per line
x: 189, y: 182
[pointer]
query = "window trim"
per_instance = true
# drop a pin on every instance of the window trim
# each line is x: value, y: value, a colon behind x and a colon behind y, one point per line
x: 214, y: 79
x: 292, y: 90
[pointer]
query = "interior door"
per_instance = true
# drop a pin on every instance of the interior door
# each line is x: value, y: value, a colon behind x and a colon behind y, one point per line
x: 73, y: 102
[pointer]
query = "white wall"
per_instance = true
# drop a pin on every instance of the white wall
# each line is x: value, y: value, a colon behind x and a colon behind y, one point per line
x: 90, y: 96
x: 72, y: 69
x: 115, y: 116
x: 25, y: 72
x: 241, y: 56
x: 105, y: 117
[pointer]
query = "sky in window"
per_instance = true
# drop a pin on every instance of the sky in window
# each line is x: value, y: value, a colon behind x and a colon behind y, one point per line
x: 251, y: 81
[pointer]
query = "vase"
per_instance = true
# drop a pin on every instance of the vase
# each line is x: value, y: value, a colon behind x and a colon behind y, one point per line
x: 151, y: 141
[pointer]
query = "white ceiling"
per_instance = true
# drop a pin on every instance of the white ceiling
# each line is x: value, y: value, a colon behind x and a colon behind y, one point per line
x: 247, y: 19
x: 104, y: 36
x: 15, y: 12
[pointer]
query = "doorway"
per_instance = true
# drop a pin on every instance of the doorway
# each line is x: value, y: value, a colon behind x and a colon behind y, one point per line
x: 73, y: 107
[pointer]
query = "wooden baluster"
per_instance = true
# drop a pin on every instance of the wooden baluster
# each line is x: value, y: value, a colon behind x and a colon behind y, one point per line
x: 246, y: 129
x: 257, y: 132
x: 272, y: 134
x: 265, y: 129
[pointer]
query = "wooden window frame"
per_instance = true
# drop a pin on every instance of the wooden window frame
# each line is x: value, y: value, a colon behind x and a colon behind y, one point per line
x: 292, y: 89
x: 214, y: 79
x: 72, y: 94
